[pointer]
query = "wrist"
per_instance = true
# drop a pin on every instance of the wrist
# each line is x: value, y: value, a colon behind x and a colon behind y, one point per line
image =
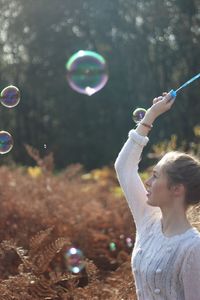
x: 149, y: 117
x: 148, y: 126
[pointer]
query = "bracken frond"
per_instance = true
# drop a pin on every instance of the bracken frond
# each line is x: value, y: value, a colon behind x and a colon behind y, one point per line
x: 7, y: 245
x: 42, y: 289
x: 56, y: 277
x: 37, y: 240
x: 91, y: 270
x: 46, y: 163
x: 42, y: 259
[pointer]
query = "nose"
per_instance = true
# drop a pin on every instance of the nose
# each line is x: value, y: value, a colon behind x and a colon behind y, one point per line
x: 148, y: 182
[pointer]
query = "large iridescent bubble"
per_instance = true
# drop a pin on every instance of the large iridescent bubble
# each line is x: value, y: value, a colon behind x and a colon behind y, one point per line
x: 10, y: 96
x: 87, y: 72
x: 6, y: 142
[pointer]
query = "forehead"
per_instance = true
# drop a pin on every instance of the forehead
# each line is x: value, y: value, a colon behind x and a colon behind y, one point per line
x: 158, y: 167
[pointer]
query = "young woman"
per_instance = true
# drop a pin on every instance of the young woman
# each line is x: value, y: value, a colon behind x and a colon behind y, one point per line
x: 166, y: 255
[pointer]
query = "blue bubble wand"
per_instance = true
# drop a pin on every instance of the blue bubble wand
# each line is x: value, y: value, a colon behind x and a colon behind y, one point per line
x: 174, y: 93
x: 139, y: 113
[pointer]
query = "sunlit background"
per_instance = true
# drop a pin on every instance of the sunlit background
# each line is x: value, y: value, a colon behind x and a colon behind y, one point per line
x: 149, y: 47
x: 75, y: 77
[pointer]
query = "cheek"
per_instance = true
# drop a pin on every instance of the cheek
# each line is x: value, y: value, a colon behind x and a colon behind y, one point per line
x: 155, y: 186
x: 159, y: 188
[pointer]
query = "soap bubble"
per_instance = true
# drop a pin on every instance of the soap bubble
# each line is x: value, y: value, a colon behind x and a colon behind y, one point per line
x: 10, y: 96
x: 6, y: 142
x: 138, y: 114
x: 74, y: 260
x: 129, y: 242
x: 87, y: 72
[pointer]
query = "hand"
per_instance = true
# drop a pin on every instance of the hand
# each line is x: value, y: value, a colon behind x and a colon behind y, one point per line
x: 161, y: 104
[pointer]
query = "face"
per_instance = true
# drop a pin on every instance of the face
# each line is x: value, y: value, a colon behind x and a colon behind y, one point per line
x: 158, y: 192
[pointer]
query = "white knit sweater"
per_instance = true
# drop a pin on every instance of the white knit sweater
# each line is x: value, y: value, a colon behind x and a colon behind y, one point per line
x: 164, y: 268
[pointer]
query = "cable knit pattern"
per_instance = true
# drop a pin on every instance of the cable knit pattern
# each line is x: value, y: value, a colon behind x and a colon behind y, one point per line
x: 164, y: 268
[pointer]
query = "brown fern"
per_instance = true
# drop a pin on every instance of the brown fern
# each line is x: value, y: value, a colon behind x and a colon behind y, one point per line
x: 42, y: 289
x: 87, y: 212
x: 56, y: 277
x: 91, y: 270
x: 37, y: 240
x: 42, y: 259
x: 46, y: 163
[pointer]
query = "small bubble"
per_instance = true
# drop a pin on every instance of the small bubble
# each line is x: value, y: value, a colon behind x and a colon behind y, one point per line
x: 10, y: 96
x: 138, y: 114
x: 74, y: 260
x: 6, y: 142
x: 129, y: 242
x: 112, y: 246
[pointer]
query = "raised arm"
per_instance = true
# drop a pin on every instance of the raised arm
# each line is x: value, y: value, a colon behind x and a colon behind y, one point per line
x: 126, y: 167
x: 126, y: 164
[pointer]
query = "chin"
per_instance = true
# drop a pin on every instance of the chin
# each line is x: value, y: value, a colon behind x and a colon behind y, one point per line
x: 149, y: 202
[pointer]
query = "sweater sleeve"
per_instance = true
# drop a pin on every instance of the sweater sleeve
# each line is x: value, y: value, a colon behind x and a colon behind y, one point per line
x: 190, y: 274
x: 126, y: 166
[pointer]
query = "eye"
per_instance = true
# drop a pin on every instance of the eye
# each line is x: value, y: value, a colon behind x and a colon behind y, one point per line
x: 154, y: 176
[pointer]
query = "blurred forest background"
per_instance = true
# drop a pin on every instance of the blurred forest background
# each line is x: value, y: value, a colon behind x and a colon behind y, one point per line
x: 150, y: 47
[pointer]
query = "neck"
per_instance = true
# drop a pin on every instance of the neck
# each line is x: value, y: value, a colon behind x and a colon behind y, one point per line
x: 174, y: 221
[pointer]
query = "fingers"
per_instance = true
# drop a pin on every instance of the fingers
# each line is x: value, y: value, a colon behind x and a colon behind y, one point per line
x: 160, y: 98
x: 165, y: 96
x: 169, y: 97
x: 171, y: 101
x: 157, y: 99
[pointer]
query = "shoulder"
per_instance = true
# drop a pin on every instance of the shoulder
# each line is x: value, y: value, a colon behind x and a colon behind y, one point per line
x: 187, y: 244
x: 194, y: 240
x: 196, y: 244
x: 190, y: 269
x: 195, y: 235
x: 192, y: 252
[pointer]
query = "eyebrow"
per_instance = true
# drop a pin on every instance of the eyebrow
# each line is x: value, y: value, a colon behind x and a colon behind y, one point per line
x: 154, y: 171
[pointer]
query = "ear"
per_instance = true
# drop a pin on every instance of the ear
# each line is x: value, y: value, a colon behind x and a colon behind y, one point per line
x: 178, y: 189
